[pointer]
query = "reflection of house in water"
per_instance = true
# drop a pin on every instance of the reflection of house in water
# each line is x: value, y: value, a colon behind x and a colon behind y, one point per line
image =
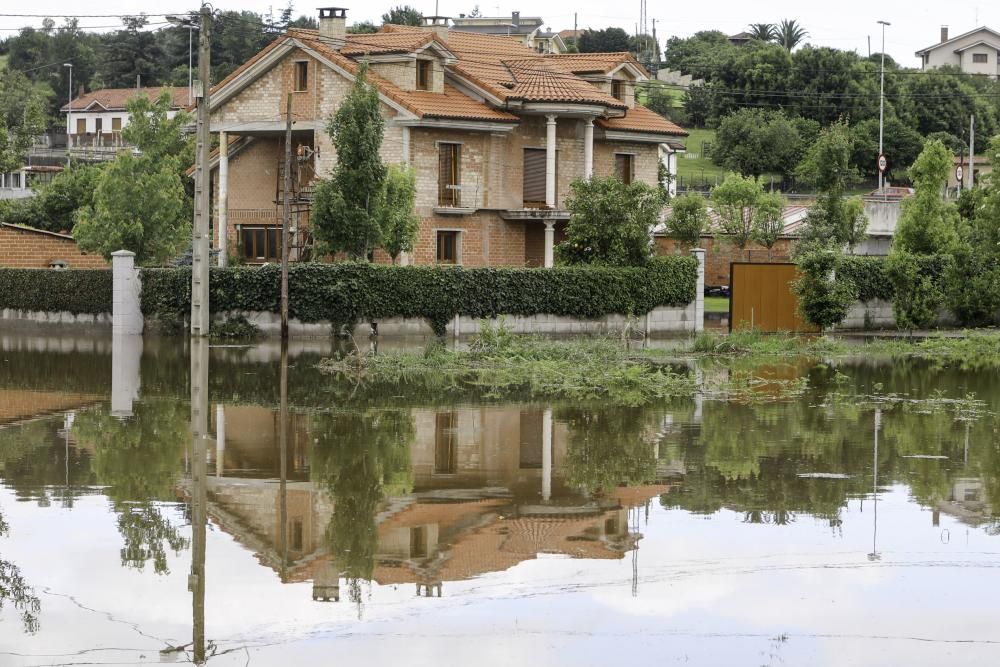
x: 489, y: 492
x: 966, y: 502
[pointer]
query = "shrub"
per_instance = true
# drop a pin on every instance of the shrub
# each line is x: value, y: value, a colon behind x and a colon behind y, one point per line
x: 235, y: 328
x: 824, y: 296
x: 83, y: 291
x: 347, y: 293
x: 916, y: 283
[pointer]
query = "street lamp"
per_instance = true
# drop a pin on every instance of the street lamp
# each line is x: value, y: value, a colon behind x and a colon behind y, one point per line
x: 69, y: 112
x: 189, y: 23
x: 881, y: 108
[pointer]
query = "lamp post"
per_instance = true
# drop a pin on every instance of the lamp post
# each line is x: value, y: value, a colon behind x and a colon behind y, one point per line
x: 69, y: 111
x: 189, y: 23
x: 881, y: 107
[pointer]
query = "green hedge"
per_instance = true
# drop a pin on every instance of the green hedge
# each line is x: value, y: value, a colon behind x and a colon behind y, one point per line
x: 78, y: 291
x: 347, y: 293
x: 871, y: 277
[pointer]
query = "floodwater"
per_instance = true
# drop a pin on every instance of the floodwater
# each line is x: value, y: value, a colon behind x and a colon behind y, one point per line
x: 160, y: 503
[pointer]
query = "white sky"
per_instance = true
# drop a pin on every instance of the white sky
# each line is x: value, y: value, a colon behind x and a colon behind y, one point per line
x: 846, y: 24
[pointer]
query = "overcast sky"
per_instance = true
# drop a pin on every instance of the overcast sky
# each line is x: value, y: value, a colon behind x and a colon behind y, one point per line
x: 846, y: 24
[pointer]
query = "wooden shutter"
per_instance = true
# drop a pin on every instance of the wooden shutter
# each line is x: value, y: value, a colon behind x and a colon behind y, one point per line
x: 81, y: 126
x: 448, y: 175
x: 623, y: 168
x: 534, y: 177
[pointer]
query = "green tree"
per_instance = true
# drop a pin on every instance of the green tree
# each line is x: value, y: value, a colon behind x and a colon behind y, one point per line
x: 400, y: 223
x: 928, y: 224
x: 22, y: 117
x: 823, y: 300
x: 610, y: 222
x: 156, y: 231
x: 740, y: 202
x: 790, y: 33
x: 943, y: 102
x: 130, y: 55
x: 688, y: 220
x: 345, y: 211
x: 155, y: 133
x: 764, y: 32
x: 363, y: 28
x: 403, y: 15
x: 918, y: 294
x: 769, y: 223
x: 901, y: 145
x: 754, y: 141
x: 607, y: 40
x: 699, y: 54
x: 55, y: 204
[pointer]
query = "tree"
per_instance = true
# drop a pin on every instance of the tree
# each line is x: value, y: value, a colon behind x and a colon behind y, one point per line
x: 943, y: 102
x: 363, y: 28
x: 130, y: 55
x: 739, y: 202
x: 156, y: 230
x: 752, y: 142
x: 790, y: 34
x: 400, y: 223
x: 603, y: 41
x: 475, y: 13
x: 765, y: 32
x: 55, y: 205
x: 823, y: 300
x: 699, y: 54
x: 403, y: 15
x: 901, y: 145
x: 688, y: 220
x: 345, y: 210
x: 151, y: 130
x: 769, y: 223
x: 610, y: 222
x: 927, y: 224
x: 22, y: 117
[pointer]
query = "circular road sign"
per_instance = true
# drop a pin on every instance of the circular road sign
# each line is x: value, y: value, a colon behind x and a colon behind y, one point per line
x: 883, y: 163
x: 959, y: 173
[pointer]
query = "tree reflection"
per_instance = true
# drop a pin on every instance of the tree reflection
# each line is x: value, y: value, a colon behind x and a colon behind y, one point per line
x: 609, y: 447
x: 360, y: 458
x: 138, y: 461
x: 13, y: 587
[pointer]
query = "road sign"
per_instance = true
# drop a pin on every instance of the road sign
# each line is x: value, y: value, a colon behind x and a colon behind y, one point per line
x: 883, y: 163
x: 959, y: 173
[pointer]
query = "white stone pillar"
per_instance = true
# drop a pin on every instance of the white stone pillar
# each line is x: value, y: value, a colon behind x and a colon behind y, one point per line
x: 220, y: 438
x: 406, y: 144
x: 126, y: 315
x: 550, y: 160
x: 699, y: 308
x: 126, y: 353
x: 546, y: 454
x: 588, y: 148
x: 550, y: 244
x: 223, y: 218
x: 672, y: 170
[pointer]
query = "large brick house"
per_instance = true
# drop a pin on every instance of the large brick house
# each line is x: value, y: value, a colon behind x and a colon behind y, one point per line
x: 495, y: 132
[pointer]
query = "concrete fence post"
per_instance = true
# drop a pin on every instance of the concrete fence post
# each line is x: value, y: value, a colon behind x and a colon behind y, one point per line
x: 126, y: 315
x: 699, y: 299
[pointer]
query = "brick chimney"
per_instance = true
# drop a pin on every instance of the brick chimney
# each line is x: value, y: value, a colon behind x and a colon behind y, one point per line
x: 439, y: 24
x: 944, y: 33
x: 333, y: 23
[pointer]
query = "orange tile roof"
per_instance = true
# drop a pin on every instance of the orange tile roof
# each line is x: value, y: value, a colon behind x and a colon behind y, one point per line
x: 114, y: 99
x: 386, y: 42
x: 586, y: 63
x: 538, y: 81
x: 641, y: 119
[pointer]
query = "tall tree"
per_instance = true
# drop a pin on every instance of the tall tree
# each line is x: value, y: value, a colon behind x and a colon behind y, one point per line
x: 22, y: 117
x: 603, y: 41
x: 400, y: 222
x: 403, y: 15
x: 790, y: 33
x: 756, y: 141
x: 765, y: 32
x: 345, y: 212
x: 688, y: 220
x: 740, y: 204
x: 928, y: 224
x: 129, y: 55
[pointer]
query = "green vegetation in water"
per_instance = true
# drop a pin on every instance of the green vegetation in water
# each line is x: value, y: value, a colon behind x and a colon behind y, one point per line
x: 973, y: 350
x: 235, y: 328
x: 751, y: 342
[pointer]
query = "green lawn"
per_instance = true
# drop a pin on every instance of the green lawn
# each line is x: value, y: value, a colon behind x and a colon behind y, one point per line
x: 716, y: 304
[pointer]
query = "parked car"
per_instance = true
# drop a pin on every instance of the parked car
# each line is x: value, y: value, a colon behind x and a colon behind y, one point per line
x: 717, y: 290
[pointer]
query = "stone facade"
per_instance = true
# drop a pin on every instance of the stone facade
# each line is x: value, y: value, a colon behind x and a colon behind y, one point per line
x: 22, y: 248
x: 718, y: 256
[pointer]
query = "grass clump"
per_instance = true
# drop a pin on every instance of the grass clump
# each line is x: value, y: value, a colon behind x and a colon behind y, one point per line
x: 752, y: 342
x: 235, y: 328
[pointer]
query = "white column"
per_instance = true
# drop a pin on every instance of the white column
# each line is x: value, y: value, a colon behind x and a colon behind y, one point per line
x: 699, y: 308
x: 550, y: 244
x: 588, y: 148
x: 223, y: 232
x: 406, y: 144
x: 220, y: 438
x: 126, y: 315
x: 550, y: 161
x: 546, y: 454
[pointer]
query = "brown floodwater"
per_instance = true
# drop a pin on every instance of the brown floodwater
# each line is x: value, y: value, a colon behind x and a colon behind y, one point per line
x: 167, y: 503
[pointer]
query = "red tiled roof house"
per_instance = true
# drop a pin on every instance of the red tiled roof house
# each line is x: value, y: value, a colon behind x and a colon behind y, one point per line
x: 97, y: 118
x: 495, y: 131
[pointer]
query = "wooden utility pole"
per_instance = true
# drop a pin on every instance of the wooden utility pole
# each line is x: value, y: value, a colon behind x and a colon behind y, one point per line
x: 286, y: 215
x: 200, y: 242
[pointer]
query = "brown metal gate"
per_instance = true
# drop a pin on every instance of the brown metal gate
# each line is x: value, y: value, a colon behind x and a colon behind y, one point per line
x: 762, y: 298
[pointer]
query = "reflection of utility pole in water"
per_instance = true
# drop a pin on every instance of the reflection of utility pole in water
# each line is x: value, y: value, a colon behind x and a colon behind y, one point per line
x: 546, y: 454
x: 283, y: 453
x: 875, y: 555
x: 220, y: 439
x: 199, y: 469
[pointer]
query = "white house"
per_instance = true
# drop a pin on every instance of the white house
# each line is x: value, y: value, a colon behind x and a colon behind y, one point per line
x: 97, y: 118
x: 529, y: 30
x: 975, y: 52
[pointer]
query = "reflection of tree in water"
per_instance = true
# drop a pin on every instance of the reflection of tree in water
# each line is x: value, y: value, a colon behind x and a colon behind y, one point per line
x: 609, y: 447
x: 13, y: 587
x: 360, y: 458
x: 138, y: 461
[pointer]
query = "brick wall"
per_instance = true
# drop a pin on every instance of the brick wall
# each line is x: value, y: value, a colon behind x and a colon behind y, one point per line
x: 30, y: 249
x: 719, y: 256
x: 486, y: 239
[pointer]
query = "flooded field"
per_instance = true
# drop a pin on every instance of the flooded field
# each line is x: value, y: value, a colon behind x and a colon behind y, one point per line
x: 167, y: 503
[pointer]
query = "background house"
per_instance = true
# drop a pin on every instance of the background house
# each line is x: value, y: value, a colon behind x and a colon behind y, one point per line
x: 96, y: 119
x: 974, y: 52
x: 528, y: 30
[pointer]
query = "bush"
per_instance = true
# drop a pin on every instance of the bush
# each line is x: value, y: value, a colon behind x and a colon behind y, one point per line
x: 868, y: 275
x: 351, y: 292
x: 917, y: 286
x: 824, y: 296
x: 84, y: 291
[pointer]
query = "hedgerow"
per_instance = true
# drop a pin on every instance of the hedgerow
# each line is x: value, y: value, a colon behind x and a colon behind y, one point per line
x: 347, y: 293
x: 78, y: 291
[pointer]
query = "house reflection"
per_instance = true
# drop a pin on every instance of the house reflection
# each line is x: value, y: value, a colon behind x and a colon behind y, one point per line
x: 489, y: 491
